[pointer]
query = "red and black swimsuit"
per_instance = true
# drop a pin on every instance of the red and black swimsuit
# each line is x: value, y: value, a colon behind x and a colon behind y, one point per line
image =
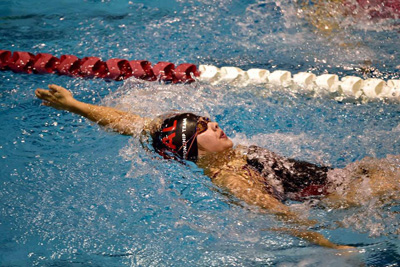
x: 288, y: 178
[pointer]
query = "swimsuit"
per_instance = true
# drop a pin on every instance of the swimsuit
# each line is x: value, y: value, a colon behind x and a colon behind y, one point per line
x: 288, y: 178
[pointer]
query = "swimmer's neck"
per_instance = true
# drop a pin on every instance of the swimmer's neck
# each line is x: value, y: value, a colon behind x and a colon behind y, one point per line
x: 217, y: 158
x: 202, y: 154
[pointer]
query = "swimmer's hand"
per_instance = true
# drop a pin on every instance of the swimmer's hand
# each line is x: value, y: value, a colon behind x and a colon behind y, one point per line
x: 313, y: 237
x: 57, y: 97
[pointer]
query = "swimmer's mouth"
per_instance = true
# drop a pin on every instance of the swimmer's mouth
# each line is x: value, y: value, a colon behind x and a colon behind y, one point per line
x: 223, y: 135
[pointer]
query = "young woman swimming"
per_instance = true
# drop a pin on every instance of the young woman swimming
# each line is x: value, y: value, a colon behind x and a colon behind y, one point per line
x: 330, y: 17
x: 254, y: 175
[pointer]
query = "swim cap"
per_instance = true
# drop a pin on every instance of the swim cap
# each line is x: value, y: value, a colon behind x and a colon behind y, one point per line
x: 177, y: 135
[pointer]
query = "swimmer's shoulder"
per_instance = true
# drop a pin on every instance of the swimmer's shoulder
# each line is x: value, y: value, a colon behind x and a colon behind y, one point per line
x: 222, y: 164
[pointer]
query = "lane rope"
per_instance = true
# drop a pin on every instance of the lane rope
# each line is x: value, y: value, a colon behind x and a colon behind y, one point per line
x: 348, y: 86
x: 93, y: 67
x: 120, y: 69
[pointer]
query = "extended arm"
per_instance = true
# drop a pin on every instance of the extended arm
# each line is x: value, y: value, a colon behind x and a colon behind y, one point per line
x: 253, y: 195
x: 120, y: 121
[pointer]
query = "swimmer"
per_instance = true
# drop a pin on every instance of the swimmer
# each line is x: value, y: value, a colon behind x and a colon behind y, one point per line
x: 327, y: 16
x: 255, y: 175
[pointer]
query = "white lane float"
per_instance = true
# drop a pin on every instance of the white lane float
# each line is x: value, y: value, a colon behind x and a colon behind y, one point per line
x: 351, y: 86
x: 304, y: 79
x: 281, y: 78
x: 375, y: 88
x: 258, y: 76
x: 328, y: 82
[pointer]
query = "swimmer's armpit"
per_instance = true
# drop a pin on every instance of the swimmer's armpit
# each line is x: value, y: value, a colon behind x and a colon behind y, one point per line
x: 117, y: 120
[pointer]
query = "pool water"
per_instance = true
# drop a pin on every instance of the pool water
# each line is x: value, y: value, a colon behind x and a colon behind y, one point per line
x: 73, y: 194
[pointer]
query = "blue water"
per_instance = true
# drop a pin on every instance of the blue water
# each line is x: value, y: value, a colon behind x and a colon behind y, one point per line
x: 73, y: 194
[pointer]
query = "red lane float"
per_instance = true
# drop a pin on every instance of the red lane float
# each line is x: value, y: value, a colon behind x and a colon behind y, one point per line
x: 374, y: 9
x: 93, y: 67
x: 69, y: 65
x: 164, y: 71
x: 141, y: 69
x: 45, y: 63
x: 4, y: 59
x: 118, y: 69
x: 185, y: 71
x: 383, y: 9
x: 21, y: 62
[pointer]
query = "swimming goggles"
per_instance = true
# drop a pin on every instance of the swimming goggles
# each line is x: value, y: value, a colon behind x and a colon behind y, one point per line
x: 202, y: 125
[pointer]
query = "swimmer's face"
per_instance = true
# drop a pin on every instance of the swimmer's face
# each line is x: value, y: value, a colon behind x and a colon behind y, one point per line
x: 213, y: 140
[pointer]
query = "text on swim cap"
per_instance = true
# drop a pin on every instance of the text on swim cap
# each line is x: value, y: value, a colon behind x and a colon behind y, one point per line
x: 184, y: 137
x: 168, y: 139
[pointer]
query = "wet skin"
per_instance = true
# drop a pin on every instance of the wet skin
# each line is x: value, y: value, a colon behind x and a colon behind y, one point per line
x: 213, y: 140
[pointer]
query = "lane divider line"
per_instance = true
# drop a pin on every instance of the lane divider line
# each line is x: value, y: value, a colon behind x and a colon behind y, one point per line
x: 120, y: 69
x: 93, y: 67
x: 350, y: 86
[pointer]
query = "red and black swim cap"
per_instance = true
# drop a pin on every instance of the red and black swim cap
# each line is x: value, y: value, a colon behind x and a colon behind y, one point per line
x: 177, y: 135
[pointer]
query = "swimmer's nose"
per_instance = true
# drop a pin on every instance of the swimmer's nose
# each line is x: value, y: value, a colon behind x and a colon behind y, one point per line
x: 214, y: 126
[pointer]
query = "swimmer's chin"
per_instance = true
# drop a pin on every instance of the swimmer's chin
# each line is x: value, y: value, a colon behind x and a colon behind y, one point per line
x: 230, y: 143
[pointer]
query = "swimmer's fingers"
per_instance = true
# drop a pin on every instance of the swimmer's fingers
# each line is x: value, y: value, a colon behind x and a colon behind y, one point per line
x: 57, y: 97
x: 47, y: 97
x: 60, y: 92
x: 43, y: 94
x: 38, y: 93
x: 59, y: 89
